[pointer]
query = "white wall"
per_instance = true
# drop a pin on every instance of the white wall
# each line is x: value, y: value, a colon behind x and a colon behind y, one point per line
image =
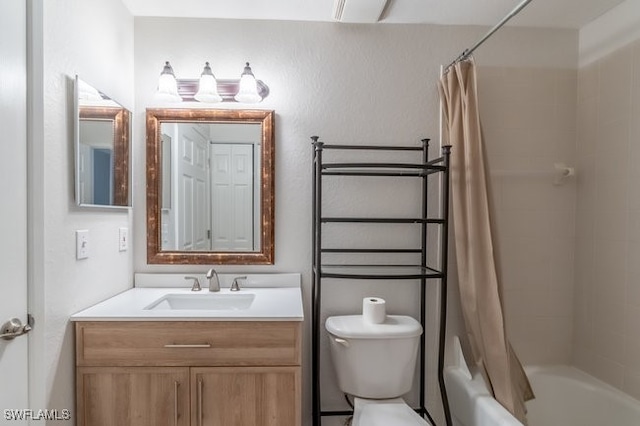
x: 345, y: 83
x: 95, y: 40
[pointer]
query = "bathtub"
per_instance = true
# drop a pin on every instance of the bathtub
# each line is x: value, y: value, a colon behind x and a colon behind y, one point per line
x: 565, y: 396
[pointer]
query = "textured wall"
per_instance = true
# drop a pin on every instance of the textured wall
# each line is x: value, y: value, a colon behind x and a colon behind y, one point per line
x: 95, y: 40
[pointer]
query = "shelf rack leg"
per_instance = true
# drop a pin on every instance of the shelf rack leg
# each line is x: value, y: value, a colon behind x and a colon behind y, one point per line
x: 317, y: 243
x: 444, y: 247
x: 423, y: 281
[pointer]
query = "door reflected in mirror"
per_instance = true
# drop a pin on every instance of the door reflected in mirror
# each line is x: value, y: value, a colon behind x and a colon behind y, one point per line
x: 102, y: 149
x: 210, y: 186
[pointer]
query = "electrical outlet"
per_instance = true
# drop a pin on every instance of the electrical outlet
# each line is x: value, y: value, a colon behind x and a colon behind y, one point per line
x: 82, y: 244
x: 123, y: 239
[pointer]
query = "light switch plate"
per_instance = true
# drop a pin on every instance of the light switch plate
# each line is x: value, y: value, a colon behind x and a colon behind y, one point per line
x: 82, y: 244
x: 123, y: 239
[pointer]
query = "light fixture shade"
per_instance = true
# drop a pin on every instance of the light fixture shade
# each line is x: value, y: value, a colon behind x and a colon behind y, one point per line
x: 248, y: 91
x: 207, y: 87
x: 167, y: 85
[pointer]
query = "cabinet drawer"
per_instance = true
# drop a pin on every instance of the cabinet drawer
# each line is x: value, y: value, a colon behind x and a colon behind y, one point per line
x: 187, y: 343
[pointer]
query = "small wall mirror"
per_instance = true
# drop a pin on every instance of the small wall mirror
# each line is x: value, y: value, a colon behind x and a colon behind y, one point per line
x: 210, y: 186
x: 102, y: 149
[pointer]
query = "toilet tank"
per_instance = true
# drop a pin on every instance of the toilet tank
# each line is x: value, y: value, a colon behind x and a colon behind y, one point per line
x: 374, y: 361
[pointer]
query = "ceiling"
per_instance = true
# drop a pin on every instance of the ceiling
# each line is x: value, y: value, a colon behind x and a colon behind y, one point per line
x: 539, y: 13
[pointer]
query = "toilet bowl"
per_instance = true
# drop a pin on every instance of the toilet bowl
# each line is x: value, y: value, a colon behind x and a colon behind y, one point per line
x: 385, y: 412
x: 375, y: 363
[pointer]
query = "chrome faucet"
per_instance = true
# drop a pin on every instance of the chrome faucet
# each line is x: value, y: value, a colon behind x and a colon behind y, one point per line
x: 236, y: 286
x: 214, y: 282
x: 196, y: 283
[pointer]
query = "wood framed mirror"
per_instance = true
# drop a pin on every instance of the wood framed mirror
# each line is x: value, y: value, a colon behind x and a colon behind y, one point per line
x: 102, y: 134
x: 210, y: 186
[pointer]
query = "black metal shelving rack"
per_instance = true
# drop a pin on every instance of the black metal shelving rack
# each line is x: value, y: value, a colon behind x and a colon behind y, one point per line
x: 421, y: 169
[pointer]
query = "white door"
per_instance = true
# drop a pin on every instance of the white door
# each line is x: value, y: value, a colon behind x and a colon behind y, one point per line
x: 232, y: 197
x: 13, y: 211
x: 167, y: 211
x: 193, y: 195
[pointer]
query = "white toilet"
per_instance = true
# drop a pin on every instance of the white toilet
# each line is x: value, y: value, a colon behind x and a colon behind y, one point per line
x: 375, y: 363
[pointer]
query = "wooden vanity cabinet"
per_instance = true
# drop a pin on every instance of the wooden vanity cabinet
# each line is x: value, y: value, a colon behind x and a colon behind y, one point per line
x: 141, y: 396
x: 259, y: 396
x: 188, y: 373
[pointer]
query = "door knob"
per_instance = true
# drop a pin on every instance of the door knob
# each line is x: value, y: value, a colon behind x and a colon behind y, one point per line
x: 13, y: 328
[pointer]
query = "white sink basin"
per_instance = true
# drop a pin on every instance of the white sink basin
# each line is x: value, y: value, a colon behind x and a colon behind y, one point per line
x: 264, y: 297
x: 203, y: 301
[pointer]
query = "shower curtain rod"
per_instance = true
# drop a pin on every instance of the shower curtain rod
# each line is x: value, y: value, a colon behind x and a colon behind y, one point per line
x: 467, y: 52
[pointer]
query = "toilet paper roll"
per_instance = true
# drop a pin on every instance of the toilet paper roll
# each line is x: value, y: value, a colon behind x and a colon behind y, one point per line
x: 374, y: 310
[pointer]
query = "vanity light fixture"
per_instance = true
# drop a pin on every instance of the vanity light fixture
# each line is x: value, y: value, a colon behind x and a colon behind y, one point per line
x: 167, y: 85
x: 248, y: 92
x: 208, y: 89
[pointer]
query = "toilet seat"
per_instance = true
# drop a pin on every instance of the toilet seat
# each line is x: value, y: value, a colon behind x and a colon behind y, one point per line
x: 385, y: 412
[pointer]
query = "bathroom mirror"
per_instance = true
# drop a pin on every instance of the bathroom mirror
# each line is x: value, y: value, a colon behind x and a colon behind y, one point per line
x: 210, y: 186
x: 102, y: 149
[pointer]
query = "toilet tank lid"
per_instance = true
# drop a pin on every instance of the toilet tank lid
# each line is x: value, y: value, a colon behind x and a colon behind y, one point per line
x: 353, y: 327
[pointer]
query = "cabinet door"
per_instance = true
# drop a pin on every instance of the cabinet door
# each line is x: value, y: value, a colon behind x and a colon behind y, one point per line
x: 245, y: 396
x: 133, y: 396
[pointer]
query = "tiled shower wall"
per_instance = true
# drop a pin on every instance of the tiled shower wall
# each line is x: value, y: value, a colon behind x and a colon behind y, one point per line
x: 529, y: 124
x: 607, y: 294
x: 569, y: 253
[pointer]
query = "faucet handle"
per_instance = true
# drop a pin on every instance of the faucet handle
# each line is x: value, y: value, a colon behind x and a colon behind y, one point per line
x: 196, y: 283
x: 235, y: 286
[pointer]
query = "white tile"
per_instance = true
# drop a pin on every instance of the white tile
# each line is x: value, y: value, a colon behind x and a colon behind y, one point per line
x: 608, y: 371
x: 632, y: 383
x: 560, y: 304
x: 609, y: 320
x: 588, y: 82
x: 562, y: 264
x: 614, y: 85
x: 610, y: 224
x: 633, y: 224
x: 583, y: 358
x: 632, y: 325
x: 612, y: 146
x: 632, y: 355
x: 587, y: 127
x: 633, y: 276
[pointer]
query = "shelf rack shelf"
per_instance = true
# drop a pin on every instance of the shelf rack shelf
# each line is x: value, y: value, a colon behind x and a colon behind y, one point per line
x: 422, y: 169
x: 381, y: 272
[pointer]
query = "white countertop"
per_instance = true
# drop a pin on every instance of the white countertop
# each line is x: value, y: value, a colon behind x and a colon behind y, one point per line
x: 269, y: 304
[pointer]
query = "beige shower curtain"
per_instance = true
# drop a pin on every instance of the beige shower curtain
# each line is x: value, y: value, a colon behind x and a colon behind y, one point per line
x: 477, y: 268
